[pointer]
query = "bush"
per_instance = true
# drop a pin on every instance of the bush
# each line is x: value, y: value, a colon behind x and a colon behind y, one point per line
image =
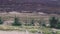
x: 42, y: 23
x: 16, y: 22
x: 32, y: 22
x: 58, y: 25
x: 53, y: 22
x: 33, y: 30
x: 1, y: 21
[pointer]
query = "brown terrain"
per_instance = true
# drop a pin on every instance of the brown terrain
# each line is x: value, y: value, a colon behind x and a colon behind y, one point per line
x: 46, y: 6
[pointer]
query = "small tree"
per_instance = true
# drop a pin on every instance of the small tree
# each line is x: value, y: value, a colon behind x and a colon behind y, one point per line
x: 53, y: 22
x: 32, y: 22
x: 1, y: 21
x: 16, y: 22
x: 58, y: 25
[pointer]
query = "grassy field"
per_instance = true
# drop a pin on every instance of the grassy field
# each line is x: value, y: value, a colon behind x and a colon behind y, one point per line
x: 32, y: 29
x: 23, y: 18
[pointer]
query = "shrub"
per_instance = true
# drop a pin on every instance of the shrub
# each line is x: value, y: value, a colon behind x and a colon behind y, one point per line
x: 53, y: 22
x: 58, y: 25
x: 32, y: 22
x: 1, y: 21
x: 16, y: 22
x: 42, y: 23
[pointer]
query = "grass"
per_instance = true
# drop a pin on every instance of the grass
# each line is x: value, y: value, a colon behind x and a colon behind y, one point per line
x: 32, y: 29
x: 58, y: 32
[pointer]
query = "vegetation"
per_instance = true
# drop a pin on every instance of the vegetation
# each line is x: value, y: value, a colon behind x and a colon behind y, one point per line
x: 53, y: 22
x: 32, y: 22
x: 1, y: 21
x: 42, y: 23
x: 32, y: 29
x: 16, y: 22
x: 58, y: 25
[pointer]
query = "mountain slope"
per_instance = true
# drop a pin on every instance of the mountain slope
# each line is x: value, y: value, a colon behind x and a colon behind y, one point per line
x: 47, y: 6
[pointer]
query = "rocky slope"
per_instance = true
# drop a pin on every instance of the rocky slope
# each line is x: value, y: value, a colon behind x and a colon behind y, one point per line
x: 46, y: 6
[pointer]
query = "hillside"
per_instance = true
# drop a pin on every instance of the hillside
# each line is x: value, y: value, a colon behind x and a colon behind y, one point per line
x: 46, y: 6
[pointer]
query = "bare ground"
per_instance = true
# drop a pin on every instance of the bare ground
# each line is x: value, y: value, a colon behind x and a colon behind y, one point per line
x: 13, y: 32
